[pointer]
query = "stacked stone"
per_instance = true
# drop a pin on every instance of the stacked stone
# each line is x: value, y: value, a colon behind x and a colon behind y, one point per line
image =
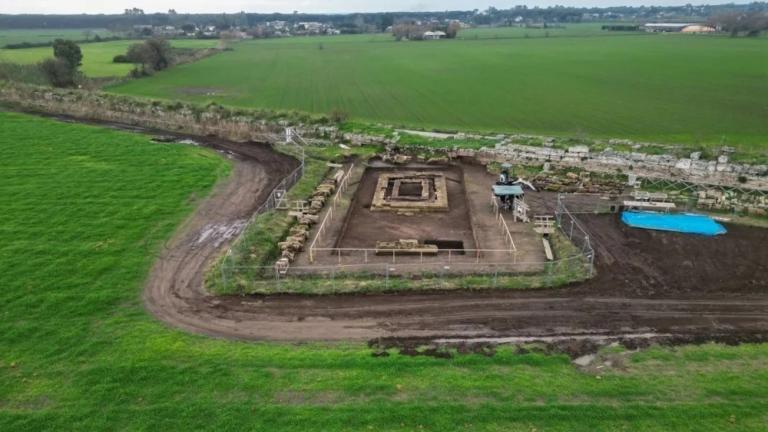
x: 715, y: 199
x: 299, y: 234
x: 573, y: 182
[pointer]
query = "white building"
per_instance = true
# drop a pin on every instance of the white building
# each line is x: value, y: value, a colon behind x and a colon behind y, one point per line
x: 433, y: 35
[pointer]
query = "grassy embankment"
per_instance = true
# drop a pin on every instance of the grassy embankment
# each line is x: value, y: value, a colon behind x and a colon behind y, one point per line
x: 85, y: 210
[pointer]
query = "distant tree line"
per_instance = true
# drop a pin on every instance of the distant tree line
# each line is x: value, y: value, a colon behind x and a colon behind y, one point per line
x: 749, y: 23
x: 96, y: 38
x: 358, y: 22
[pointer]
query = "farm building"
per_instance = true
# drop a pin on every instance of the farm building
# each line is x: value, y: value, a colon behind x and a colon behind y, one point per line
x: 677, y: 28
x: 433, y: 35
x: 698, y: 29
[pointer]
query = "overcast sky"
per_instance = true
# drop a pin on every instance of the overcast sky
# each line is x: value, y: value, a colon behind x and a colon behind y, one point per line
x: 266, y: 6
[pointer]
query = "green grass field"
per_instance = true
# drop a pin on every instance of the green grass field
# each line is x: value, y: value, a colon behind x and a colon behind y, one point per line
x: 85, y: 210
x: 47, y: 35
x: 97, y: 57
x: 661, y: 88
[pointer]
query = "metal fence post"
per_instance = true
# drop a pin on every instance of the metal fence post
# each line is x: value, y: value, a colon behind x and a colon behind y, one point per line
x: 548, y: 280
x: 223, y: 271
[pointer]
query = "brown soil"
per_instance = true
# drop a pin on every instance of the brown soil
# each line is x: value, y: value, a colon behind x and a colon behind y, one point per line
x: 365, y: 227
x: 649, y: 285
x: 660, y: 286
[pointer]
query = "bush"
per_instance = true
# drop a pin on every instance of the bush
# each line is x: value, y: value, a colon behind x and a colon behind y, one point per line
x: 338, y: 116
x: 24, y: 73
x: 121, y: 58
x: 58, y: 72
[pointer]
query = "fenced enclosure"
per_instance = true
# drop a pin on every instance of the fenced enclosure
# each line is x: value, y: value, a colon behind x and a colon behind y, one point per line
x: 360, y: 269
x: 446, y: 270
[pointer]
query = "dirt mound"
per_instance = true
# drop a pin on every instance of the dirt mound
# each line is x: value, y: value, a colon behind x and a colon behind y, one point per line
x: 657, y: 264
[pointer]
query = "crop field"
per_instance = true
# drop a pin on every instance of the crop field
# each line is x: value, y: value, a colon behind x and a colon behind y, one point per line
x: 660, y: 88
x: 46, y: 35
x: 569, y: 30
x: 97, y: 57
x: 85, y: 212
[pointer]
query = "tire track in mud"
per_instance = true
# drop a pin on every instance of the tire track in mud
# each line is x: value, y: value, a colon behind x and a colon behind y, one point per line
x: 623, y: 299
x: 646, y: 283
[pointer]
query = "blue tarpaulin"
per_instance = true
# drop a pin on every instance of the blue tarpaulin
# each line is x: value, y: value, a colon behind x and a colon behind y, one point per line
x: 679, y: 222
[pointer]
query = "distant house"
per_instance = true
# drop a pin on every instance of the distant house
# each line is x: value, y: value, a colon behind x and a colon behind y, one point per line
x: 666, y: 27
x: 168, y: 31
x: 433, y: 35
x: 678, y: 28
x: 210, y: 31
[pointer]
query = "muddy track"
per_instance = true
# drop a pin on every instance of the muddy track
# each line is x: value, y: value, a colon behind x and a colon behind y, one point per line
x: 640, y: 288
x: 647, y: 283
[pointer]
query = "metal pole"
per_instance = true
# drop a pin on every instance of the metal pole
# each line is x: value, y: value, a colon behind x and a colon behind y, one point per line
x: 223, y: 271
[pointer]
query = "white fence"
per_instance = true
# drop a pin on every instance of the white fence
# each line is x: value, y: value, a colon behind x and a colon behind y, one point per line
x: 503, y: 224
x: 342, y: 187
x: 361, y: 256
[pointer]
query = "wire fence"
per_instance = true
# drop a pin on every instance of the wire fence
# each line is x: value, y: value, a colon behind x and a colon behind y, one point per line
x: 358, y: 256
x: 276, y: 197
x: 349, y: 269
x: 404, y: 276
x: 575, y: 232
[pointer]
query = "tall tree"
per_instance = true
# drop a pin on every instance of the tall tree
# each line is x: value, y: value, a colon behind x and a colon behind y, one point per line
x: 61, y: 70
x: 68, y: 51
x: 153, y: 55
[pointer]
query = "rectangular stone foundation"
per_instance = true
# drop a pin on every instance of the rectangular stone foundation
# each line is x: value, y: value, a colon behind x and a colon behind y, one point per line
x: 388, y: 195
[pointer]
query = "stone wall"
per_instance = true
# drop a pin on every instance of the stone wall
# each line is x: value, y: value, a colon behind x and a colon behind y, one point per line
x: 721, y: 172
x: 228, y: 123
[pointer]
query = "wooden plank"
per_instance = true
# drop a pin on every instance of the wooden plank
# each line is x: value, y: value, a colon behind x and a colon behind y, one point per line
x: 649, y: 205
x: 548, y: 250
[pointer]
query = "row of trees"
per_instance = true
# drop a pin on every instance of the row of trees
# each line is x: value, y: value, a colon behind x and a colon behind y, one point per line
x: 750, y: 23
x: 150, y: 56
x: 63, y: 69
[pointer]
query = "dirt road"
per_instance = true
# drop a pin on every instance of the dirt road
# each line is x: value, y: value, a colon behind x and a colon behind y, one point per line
x: 662, y: 283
